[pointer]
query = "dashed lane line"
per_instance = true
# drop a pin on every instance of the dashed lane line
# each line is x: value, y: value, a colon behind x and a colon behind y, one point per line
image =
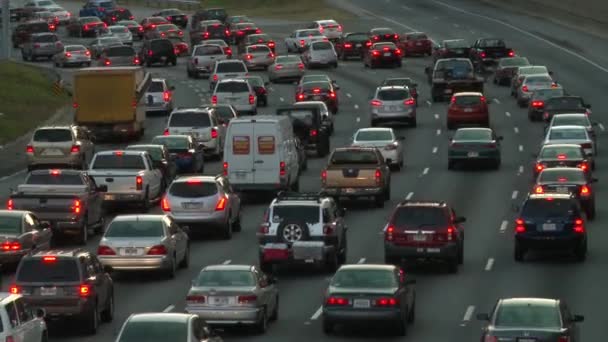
x: 348, y: 95
x: 356, y: 106
x: 514, y: 194
x: 227, y: 262
x: 489, y: 264
x: 425, y: 171
x: 281, y: 99
x: 601, y: 126
x: 409, y: 196
x: 516, y: 129
x: 521, y: 169
x: 497, y: 101
x: 436, y: 116
x: 429, y: 103
x: 467, y: 315
x: 508, y: 114
x: 521, y: 148
x: 317, y: 314
x: 434, y: 149
x: 439, y: 132
x: 503, y: 226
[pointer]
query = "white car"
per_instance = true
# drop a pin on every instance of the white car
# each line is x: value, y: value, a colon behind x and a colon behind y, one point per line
x: 300, y: 39
x: 200, y: 123
x: 122, y: 33
x: 320, y: 53
x: 159, y: 97
x: 20, y: 323
x: 257, y: 56
x: 236, y: 92
x: 330, y: 28
x: 572, y: 135
x: 385, y: 140
x: 227, y: 69
x: 62, y: 14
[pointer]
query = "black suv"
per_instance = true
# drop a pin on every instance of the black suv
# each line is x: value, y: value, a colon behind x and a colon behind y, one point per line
x: 309, y: 127
x: 67, y: 284
x: 158, y: 51
x: 351, y: 44
x: 199, y: 33
x: 210, y: 14
x: 550, y: 221
x: 428, y: 230
x: 175, y: 16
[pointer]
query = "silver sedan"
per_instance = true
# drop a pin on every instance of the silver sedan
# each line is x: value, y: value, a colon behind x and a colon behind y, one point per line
x: 257, y: 56
x: 385, y: 140
x: 122, y: 33
x: 286, y: 67
x: 233, y: 295
x: 144, y: 242
x: 72, y: 55
x: 22, y: 233
x: 530, y: 84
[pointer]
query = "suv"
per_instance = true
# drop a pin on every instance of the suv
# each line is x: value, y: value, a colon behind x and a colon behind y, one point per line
x: 215, y: 13
x: 392, y: 104
x: 20, y: 320
x: 41, y: 45
x: 202, y: 125
x: 424, y: 230
x: 309, y: 127
x: 236, y: 92
x: 23, y: 32
x: 60, y: 146
x: 158, y: 51
x: 303, y: 228
x: 203, y: 59
x: 468, y: 108
x: 227, y: 69
x: 550, y: 221
x: 67, y: 284
x: 205, y: 31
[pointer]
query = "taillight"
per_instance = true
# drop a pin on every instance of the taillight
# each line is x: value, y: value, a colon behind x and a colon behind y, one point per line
x: 328, y: 229
x: 482, y: 54
x: 215, y: 78
x: 336, y: 301
x: 396, y: 37
x: 84, y: 290
x: 76, y: 207
x: 214, y: 133
x: 164, y: 204
x: 301, y: 66
x: 221, y: 204
x: 397, y: 51
x: 302, y: 42
x: 520, y: 226
x: 29, y: 149
x: 14, y: 289
x: 150, y: 53
x: 525, y: 89
x: 539, y: 189
x: 75, y: 149
x: 348, y: 46
x: 563, y: 339
x: 158, y: 250
x: 136, y: 61
x: 583, y: 166
x: 324, y: 177
x: 139, y: 182
x: 585, y: 191
x: 391, y: 146
x: 376, y: 103
x: 225, y: 168
x: 248, y: 299
x: 9, y: 339
x: 332, y: 94
x: 205, y: 35
x: 166, y: 131
x: 228, y: 51
x: 180, y: 33
x: 539, y: 167
x: 578, y: 226
x: 282, y: 171
x: 105, y: 250
x: 10, y: 205
x: 368, y: 44
x: 378, y: 176
x: 340, y: 28
x: 68, y: 54
x: 511, y: 53
x: 251, y: 99
x: 107, y: 62
x: 386, y: 302
x: 258, y: 31
x: 195, y: 299
x: 264, y: 228
x: 10, y: 246
x: 278, y: 67
x: 314, y: 133
x: 214, y: 99
x: 300, y: 97
x: 249, y: 56
x: 167, y: 96
x: 537, y: 104
x: 409, y: 102
x: 375, y: 53
x: 36, y: 46
x: 388, y: 233
x: 449, y: 233
x: 140, y: 29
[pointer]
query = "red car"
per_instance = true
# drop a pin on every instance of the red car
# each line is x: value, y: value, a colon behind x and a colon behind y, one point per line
x: 415, y: 43
x: 180, y: 47
x: 468, y: 109
x: 150, y: 23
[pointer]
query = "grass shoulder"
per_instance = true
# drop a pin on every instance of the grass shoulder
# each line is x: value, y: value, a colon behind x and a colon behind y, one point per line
x: 282, y: 9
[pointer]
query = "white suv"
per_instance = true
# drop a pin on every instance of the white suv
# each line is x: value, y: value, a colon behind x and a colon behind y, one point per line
x: 20, y: 323
x: 330, y: 28
x: 229, y: 68
x: 305, y: 228
x: 200, y: 123
x: 236, y: 92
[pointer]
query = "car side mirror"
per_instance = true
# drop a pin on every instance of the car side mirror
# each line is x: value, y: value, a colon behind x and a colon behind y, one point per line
x: 578, y: 318
x: 401, y: 138
x: 460, y: 219
x: 102, y: 188
x: 483, y: 317
x: 594, y: 180
x: 40, y: 313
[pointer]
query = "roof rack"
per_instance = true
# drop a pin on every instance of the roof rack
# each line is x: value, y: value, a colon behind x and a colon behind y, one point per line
x: 300, y: 196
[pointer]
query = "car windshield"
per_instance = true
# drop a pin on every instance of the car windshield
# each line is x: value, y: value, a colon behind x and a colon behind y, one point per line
x: 121, y: 51
x: 225, y: 278
x: 119, y: 162
x: 456, y: 44
x: 258, y: 49
x: 568, y: 134
x: 563, y: 176
x: 10, y: 224
x: 190, y: 120
x: 193, y: 189
x: 128, y: 23
x: 374, y: 135
x: 156, y: 87
x: 54, y: 179
x: 357, y: 279
x: 232, y: 87
x: 52, y: 135
x: 120, y: 29
x: 154, y: 331
x: 549, y: 207
x: 37, y: 270
x: 316, y: 85
x: 135, y: 229
x: 357, y: 37
x: 514, y: 61
x: 46, y: 3
x: 473, y: 134
x: 322, y: 46
x: 571, y: 120
x: 293, y: 213
x: 109, y: 41
x: 556, y: 152
x: 467, y: 100
x: 426, y: 217
x: 393, y: 94
x: 172, y: 143
x: 310, y: 33
x: 230, y: 67
x: 528, y: 315
x: 545, y: 94
x: 354, y: 157
x: 565, y: 103
x: 156, y: 153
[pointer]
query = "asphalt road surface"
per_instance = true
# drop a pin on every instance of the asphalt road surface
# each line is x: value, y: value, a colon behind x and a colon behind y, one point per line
x: 446, y: 304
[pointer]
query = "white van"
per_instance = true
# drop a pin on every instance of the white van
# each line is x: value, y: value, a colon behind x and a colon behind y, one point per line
x: 261, y: 154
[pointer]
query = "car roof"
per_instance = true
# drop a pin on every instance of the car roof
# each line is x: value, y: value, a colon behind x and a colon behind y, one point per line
x: 568, y: 127
x: 229, y: 267
x: 163, y: 317
x: 367, y: 267
x: 185, y: 179
x: 529, y: 300
x: 138, y: 217
x: 468, y: 93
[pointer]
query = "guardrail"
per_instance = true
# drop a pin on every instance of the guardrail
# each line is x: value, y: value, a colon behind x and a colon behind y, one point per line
x: 188, y: 5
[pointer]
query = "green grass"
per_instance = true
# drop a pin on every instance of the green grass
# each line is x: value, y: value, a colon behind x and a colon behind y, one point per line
x: 281, y: 9
x: 26, y: 98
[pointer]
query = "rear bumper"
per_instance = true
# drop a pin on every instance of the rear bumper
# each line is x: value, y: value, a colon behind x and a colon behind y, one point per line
x: 281, y: 254
x: 143, y: 263
x: 63, y: 222
x: 358, y: 315
x: 260, y: 186
x: 442, y: 252
x: 71, y: 160
x: 202, y: 221
x: 404, y: 116
x: 549, y: 242
x: 115, y: 197
x: 57, y: 309
x: 160, y: 107
x: 353, y: 192
x: 467, y: 119
x: 226, y: 316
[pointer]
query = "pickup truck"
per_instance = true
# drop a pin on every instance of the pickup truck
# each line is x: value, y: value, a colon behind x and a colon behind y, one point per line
x: 130, y: 177
x: 68, y: 199
x: 486, y: 52
x: 355, y: 172
x: 453, y: 75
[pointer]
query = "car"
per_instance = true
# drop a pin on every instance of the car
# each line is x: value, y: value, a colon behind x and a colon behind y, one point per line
x: 257, y: 39
x: 237, y: 92
x: 383, y: 34
x: 428, y: 230
x: 202, y: 125
x: 450, y: 76
x: 204, y: 204
x: 215, y: 13
x: 235, y: 19
x: 225, y: 69
x: 385, y: 140
x: 23, y: 32
x: 468, y: 108
x: 506, y: 68
x: 27, y: 323
x: 62, y: 16
x: 328, y: 27
x: 24, y: 233
x: 159, y: 97
x: 164, y: 31
x: 286, y: 67
x: 67, y: 272
x: 173, y: 15
x: 184, y: 151
x: 576, y: 119
x: 49, y: 17
x: 327, y: 116
x: 403, y: 82
x: 258, y: 85
x: 530, y: 84
x: 144, y: 243
x: 351, y: 44
x: 120, y: 55
x: 234, y: 295
x: 152, y: 326
x: 300, y: 39
x: 320, y: 53
x: 572, y: 135
x: 415, y: 43
x: 121, y: 32
x: 451, y: 48
x: 206, y: 30
x: 136, y: 29
x: 302, y: 228
x: 523, y: 71
x: 241, y: 30
x: 113, y: 16
x: 370, y: 293
x: 316, y: 78
x: 158, y: 51
x: 161, y: 158
x: 560, y: 155
x: 41, y: 4
x: 568, y: 180
x: 72, y: 55
x: 319, y: 91
x: 486, y: 52
x: 150, y: 23
x: 530, y: 318
x: 257, y: 56
x: 44, y: 45
x: 392, y: 104
x: 474, y: 145
x: 536, y: 105
x: 203, y: 59
x: 227, y: 49
x: 85, y: 27
x: 64, y: 146
x: 565, y: 105
x: 550, y: 222
x: 180, y: 46
x: 100, y: 44
x: 381, y: 54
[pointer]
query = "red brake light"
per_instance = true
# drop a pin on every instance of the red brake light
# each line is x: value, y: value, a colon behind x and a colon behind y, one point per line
x: 215, y: 78
x: 376, y: 103
x: 348, y: 45
x: 29, y: 149
x: 14, y: 289
x: 164, y: 204
x: 107, y: 62
x: 409, y: 102
x: 139, y: 182
x: 375, y: 53
x: 75, y: 149
x: 302, y: 42
x: 10, y: 246
x: 489, y: 338
x: 198, y: 299
x: 537, y: 104
x: 301, y: 66
x: 278, y: 67
x: 167, y: 96
x: 583, y: 166
x: 221, y: 204
x: 578, y: 226
x: 539, y: 167
x: 140, y: 29
x: 525, y: 89
x: 324, y: 176
x: 397, y: 51
x: 249, y: 56
x: 105, y: 250
x: 68, y: 54
x: 213, y: 133
x: 282, y: 170
x: 539, y: 189
x: 316, y: 90
x: 249, y: 299
x: 76, y: 207
x: 300, y: 97
x: 336, y: 301
x: 396, y: 36
x: 386, y: 302
x: 251, y: 99
x: 561, y: 156
x: 386, y: 48
x: 511, y: 53
x: 368, y: 43
x: 388, y: 233
x: 150, y: 53
x: 585, y: 191
x: 314, y: 132
x: 378, y: 176
x: 520, y: 226
x: 166, y: 131
x: 483, y: 54
x: 136, y: 61
x: 10, y: 205
x: 157, y: 250
x: 332, y: 94
x: 271, y: 44
x: 49, y: 259
x: 84, y: 290
x: 214, y: 99
x: 225, y: 168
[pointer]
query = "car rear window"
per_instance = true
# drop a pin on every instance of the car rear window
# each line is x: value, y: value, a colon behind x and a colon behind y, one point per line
x: 172, y: 143
x: 322, y: 46
x: 420, y: 217
x: 528, y: 315
x: 37, y: 270
x: 208, y: 50
x: 49, y: 179
x: 382, y: 31
x: 561, y: 152
x: 354, y: 157
x: 374, y: 136
x: 157, y: 20
x: 190, y: 120
x: 119, y: 30
x: 566, y: 103
x: 193, y: 189
x: 557, y: 175
x: 230, y: 67
x: 89, y: 20
x: 173, y: 12
x: 288, y: 59
x: 538, y: 79
x: 473, y: 134
x: 154, y: 331
x: 561, y: 120
x: 266, y: 144
x: 258, y: 49
x: 75, y: 48
x: 360, y: 37
x: 161, y: 45
x: 121, y: 51
x: 135, y: 229
x: 544, y: 207
x: 52, y: 135
x: 227, y: 278
x: 393, y: 94
x: 232, y: 87
x: 124, y: 162
x: 514, y: 61
x: 47, y: 38
x: 310, y: 33
x: 544, y: 94
x: 217, y: 12
x: 10, y: 224
x: 381, y: 46
x: 166, y: 27
x: 156, y: 87
x: 467, y: 100
x: 353, y: 278
x: 570, y: 133
x: 295, y: 213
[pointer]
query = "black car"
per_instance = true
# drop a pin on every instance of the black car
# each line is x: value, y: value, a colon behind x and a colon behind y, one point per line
x: 453, y: 48
x: 382, y: 54
x: 199, y: 33
x: 565, y: 105
x: 115, y: 15
x: 210, y: 14
x: 403, y: 82
x: 319, y: 91
x: 561, y: 155
x: 174, y: 16
x: 536, y: 105
x: 568, y: 180
x: 351, y: 44
x: 383, y: 34
x: 75, y: 286
x: 158, y: 51
x: 550, y: 222
x: 259, y: 86
x: 308, y: 127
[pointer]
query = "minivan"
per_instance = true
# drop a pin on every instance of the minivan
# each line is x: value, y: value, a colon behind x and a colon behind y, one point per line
x: 260, y: 154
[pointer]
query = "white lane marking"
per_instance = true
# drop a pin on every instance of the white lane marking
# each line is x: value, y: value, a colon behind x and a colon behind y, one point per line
x: 348, y: 95
x: 425, y: 171
x: 436, y: 116
x: 434, y: 149
x: 489, y: 264
x: 2, y: 179
x: 521, y: 148
x: 508, y: 114
x: 406, y: 8
x: 169, y: 308
x: 197, y: 90
x: 281, y: 99
x: 409, y: 196
x: 439, y: 132
x: 356, y: 106
x: 456, y: 25
x: 601, y: 126
x: 521, y: 169
x: 514, y: 195
x: 429, y: 103
x: 358, y: 119
x: 317, y: 313
x: 529, y: 34
x: 468, y: 314
x: 361, y: 261
x: 389, y: 20
x: 497, y: 101
x: 516, y: 129
x: 227, y: 262
x: 503, y: 226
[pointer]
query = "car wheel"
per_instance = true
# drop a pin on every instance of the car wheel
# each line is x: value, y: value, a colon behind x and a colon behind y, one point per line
x: 275, y: 312
x: 519, y: 253
x: 92, y: 321
x: 411, y: 317
x: 83, y: 237
x: 453, y: 265
x: 236, y: 226
x: 172, y: 268
x: 401, y: 327
x: 328, y: 327
x: 379, y: 201
x: 581, y: 252
x: 262, y: 325
x: 186, y: 260
x: 107, y: 315
x: 227, y: 233
x: 451, y: 164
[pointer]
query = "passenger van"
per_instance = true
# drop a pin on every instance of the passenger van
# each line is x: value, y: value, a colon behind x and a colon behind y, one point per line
x: 260, y: 154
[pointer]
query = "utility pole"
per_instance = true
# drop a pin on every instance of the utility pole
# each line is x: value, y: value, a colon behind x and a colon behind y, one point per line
x: 6, y: 26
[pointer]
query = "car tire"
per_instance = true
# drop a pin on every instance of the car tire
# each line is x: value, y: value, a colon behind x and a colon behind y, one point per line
x: 494, y: 80
x: 227, y: 233
x: 411, y: 317
x: 453, y: 265
x: 301, y: 225
x: 519, y: 253
x: 580, y: 252
x: 236, y: 226
x: 401, y: 327
x: 328, y: 327
x: 92, y: 321
x: 379, y: 201
x: 170, y: 272
x: 83, y: 237
x: 262, y: 326
x: 107, y: 315
x: 590, y: 212
x: 275, y: 312
x: 450, y: 164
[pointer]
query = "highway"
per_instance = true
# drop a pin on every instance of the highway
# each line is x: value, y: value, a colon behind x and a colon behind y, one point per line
x: 446, y: 303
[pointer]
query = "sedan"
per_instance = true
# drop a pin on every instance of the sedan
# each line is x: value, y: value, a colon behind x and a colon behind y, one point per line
x: 103, y: 43
x: 351, y: 44
x: 560, y: 155
x: 415, y: 43
x: 203, y: 203
x: 136, y: 29
x: 579, y: 119
x: 72, y: 55
x: 144, y: 243
x: 174, y: 16
x: 381, y: 54
x: 530, y: 84
x: 506, y: 68
x: 188, y: 156
x: 164, y: 31
x: 530, y: 319
x: 259, y: 86
x: 568, y: 180
x: 234, y: 295
x: 565, y: 104
x: 166, y: 326
x: 286, y: 67
x: 370, y: 293
x: 403, y: 82
x: 473, y: 145
x: 257, y: 56
x: 385, y: 140
x: 536, y: 105
x: 151, y: 23
x: 121, y: 32
x: 316, y: 78
x: 571, y: 135
x: 22, y: 233
x: 319, y: 91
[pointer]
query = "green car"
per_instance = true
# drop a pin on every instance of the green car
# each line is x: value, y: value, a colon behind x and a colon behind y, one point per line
x: 474, y: 145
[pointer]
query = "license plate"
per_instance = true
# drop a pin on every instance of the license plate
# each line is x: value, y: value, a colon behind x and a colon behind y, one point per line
x: 433, y: 250
x: 317, y: 98
x: 562, y: 190
x: 192, y: 205
x: 361, y: 303
x: 419, y: 237
x: 549, y: 227
x: 387, y: 54
x: 473, y: 154
x: 48, y: 291
x: 447, y: 91
x: 358, y: 45
x: 240, y: 175
x: 468, y: 110
x: 219, y: 300
x: 52, y: 152
x: 109, y: 197
x: 418, y: 44
x: 131, y: 251
x: 349, y: 190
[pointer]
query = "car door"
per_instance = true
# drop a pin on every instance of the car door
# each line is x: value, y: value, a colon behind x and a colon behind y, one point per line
x: 264, y: 289
x: 31, y: 328
x: 96, y: 279
x: 177, y: 238
x: 13, y: 327
x: 41, y: 236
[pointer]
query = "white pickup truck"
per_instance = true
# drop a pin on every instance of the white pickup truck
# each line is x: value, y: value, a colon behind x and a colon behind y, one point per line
x: 130, y: 177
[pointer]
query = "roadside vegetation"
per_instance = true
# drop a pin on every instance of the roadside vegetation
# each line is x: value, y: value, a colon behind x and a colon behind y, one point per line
x: 281, y: 9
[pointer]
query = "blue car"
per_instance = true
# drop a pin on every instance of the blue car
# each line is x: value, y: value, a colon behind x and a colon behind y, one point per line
x: 185, y: 152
